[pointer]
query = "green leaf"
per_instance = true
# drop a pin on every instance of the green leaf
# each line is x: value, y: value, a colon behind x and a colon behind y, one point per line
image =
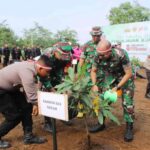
x: 81, y: 70
x: 71, y: 73
x: 68, y: 81
x: 76, y: 87
x: 100, y: 118
x: 112, y: 117
x: 85, y: 99
x: 105, y: 113
x: 62, y: 85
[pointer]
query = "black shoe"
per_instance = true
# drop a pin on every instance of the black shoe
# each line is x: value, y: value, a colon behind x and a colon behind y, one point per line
x: 30, y: 139
x: 128, y: 137
x: 147, y: 95
x: 68, y: 123
x: 97, y: 127
x: 48, y: 127
x: 4, y: 144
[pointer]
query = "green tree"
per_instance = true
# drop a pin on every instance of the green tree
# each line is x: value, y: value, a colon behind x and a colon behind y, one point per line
x: 6, y: 34
x: 66, y: 34
x: 127, y: 13
x: 38, y: 36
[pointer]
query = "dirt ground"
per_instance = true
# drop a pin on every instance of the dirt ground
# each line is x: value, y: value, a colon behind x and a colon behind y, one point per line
x: 73, y: 137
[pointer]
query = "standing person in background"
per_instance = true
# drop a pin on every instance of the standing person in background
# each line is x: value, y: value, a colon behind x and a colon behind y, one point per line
x: 28, y: 53
x: 87, y: 56
x: 89, y: 49
x: 16, y: 54
x: 37, y: 51
x: 0, y: 54
x: 76, y: 52
x: 6, y: 54
x: 147, y: 69
x: 23, y: 53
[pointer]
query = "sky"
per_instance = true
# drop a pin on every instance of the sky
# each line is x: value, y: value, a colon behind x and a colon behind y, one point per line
x: 79, y: 15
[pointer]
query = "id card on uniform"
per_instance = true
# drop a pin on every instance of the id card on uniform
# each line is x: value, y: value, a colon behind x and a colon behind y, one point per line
x: 74, y: 61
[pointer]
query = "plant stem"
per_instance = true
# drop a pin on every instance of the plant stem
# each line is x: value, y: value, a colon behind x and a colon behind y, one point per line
x: 87, y: 132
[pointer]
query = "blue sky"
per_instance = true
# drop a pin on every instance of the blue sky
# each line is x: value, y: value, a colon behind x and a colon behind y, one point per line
x: 54, y: 15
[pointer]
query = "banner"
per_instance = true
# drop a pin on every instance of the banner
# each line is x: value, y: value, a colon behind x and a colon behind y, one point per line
x: 134, y: 37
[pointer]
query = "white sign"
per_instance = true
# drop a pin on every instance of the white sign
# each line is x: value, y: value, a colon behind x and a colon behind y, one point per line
x: 135, y: 37
x: 53, y: 105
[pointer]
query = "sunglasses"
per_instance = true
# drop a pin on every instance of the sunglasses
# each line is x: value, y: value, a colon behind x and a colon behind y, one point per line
x: 96, y: 35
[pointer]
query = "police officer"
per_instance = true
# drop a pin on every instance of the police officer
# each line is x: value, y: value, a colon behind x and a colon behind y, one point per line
x: 28, y: 53
x: 6, y: 54
x: 37, y: 51
x: 60, y: 57
x: 16, y: 53
x: 14, y: 105
x: 1, y: 54
x: 114, y: 64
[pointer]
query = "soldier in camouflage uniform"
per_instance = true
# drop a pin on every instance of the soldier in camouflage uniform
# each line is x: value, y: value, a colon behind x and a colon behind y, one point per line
x: 112, y: 69
x: 60, y: 57
x: 88, y: 54
x: 89, y: 49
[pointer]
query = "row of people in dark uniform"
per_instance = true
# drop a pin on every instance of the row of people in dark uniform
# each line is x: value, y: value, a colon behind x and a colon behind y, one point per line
x: 16, y: 53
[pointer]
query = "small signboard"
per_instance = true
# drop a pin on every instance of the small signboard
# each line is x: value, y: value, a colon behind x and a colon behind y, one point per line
x: 53, y: 105
x: 74, y: 61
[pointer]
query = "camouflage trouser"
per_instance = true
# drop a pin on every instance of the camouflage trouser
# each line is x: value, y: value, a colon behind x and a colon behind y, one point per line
x: 127, y: 101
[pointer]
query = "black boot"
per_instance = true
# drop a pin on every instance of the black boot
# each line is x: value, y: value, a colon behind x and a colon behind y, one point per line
x: 128, y: 137
x: 29, y: 138
x: 68, y: 123
x: 97, y: 127
x: 47, y: 124
x: 147, y: 95
x: 4, y: 144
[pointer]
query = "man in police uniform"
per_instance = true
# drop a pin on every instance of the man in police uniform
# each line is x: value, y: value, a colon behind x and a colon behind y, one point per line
x: 89, y: 49
x: 60, y: 57
x: 114, y: 65
x: 16, y: 105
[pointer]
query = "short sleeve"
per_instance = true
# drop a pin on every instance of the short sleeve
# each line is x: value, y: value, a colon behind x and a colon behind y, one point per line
x: 125, y: 59
x: 29, y: 85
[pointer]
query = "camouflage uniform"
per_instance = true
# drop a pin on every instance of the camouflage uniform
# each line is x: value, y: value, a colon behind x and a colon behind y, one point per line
x: 57, y: 73
x: 109, y: 74
x: 89, y: 50
x: 88, y: 53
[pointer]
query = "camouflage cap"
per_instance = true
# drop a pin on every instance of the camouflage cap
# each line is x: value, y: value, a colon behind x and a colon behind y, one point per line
x: 63, y: 46
x: 96, y: 31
